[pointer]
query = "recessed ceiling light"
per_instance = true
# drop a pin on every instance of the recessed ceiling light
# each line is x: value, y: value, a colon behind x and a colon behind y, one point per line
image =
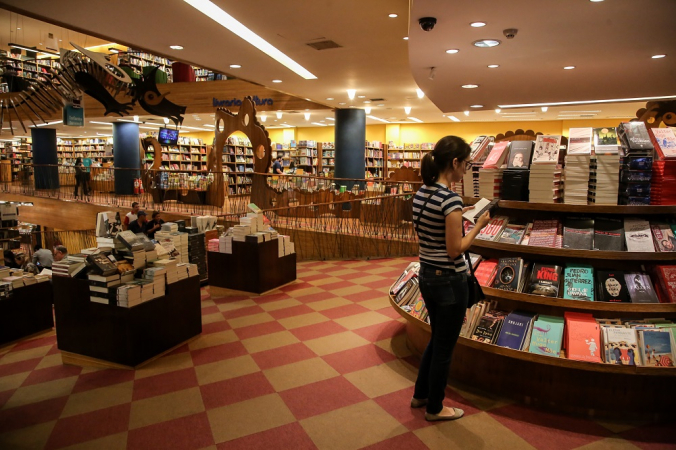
x: 452, y: 51
x: 176, y: 47
x: 18, y: 28
x: 367, y: 101
x: 476, y: 106
x: 493, y: 66
x: 263, y: 117
x: 322, y: 121
x: 569, y: 67
x: 307, y: 116
x: 235, y: 66
x: 544, y: 108
x: 276, y: 81
x: 392, y: 16
x: 586, y: 102
x: 420, y: 93
x: 380, y: 104
x: 454, y: 119
x: 466, y: 113
x: 342, y: 103
x: 279, y: 114
x: 406, y: 38
x: 367, y: 110
x: 330, y: 118
x: 486, y: 43
x: 361, y: 96
x: 595, y: 1
x: 329, y: 98
x: 477, y: 24
x: 497, y: 110
x: 351, y: 92
x: 470, y: 86
x: 378, y: 118
x: 407, y: 110
x: 658, y: 56
x: 415, y: 119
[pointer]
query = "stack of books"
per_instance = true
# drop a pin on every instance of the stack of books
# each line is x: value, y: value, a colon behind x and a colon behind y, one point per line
x: 545, y: 171
x: 544, y: 233
x: 5, y: 272
x: 285, y: 246
x: 516, y: 175
x: 239, y: 232
x: 158, y: 276
x: 577, y: 163
x: 604, y: 178
x: 253, y: 220
x: 169, y: 227
x: 477, y: 156
x: 636, y: 164
x: 5, y: 290
x: 213, y: 245
x: 198, y: 252
x: 170, y: 266
x: 490, y: 174
x: 103, y: 287
x: 128, y: 295
x: 203, y: 223
x: 67, y: 267
x: 664, y: 166
x: 225, y: 244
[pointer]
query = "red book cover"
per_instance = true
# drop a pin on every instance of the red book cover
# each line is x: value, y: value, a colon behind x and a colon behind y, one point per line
x: 583, y: 338
x: 666, y: 276
x: 544, y: 233
x: 485, y: 273
x: 495, y: 155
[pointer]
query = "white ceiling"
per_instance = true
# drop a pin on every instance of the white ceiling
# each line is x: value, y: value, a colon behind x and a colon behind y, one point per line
x: 377, y: 62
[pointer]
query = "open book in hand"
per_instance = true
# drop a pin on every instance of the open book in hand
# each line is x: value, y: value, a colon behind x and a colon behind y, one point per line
x: 480, y: 207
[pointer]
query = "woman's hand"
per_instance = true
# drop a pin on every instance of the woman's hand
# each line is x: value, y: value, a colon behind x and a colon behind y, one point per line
x: 483, y: 220
x: 467, y: 208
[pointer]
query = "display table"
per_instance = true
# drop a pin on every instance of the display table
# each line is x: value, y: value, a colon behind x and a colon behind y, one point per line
x: 90, y: 333
x: 27, y: 312
x: 251, y: 267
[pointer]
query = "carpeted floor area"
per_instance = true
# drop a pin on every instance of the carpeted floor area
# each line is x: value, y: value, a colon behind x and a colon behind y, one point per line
x: 318, y: 364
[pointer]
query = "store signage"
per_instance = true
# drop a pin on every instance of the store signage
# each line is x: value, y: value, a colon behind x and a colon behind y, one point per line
x: 236, y: 102
x: 73, y: 114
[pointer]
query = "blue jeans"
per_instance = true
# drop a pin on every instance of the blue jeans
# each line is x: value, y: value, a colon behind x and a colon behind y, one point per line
x: 446, y: 295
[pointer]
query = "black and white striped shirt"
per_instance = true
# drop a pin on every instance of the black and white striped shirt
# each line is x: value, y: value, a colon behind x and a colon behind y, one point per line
x: 432, y: 227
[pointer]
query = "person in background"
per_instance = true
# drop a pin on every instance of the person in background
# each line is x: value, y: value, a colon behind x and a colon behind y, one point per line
x: 132, y: 215
x: 139, y: 225
x: 79, y: 175
x: 43, y: 257
x: 26, y: 265
x: 60, y: 252
x: 86, y: 174
x: 154, y: 225
x: 292, y: 168
x: 10, y: 260
x: 277, y: 166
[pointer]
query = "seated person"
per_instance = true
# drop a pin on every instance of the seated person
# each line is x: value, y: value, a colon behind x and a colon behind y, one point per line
x: 139, y: 225
x: 292, y: 168
x: 26, y: 265
x: 42, y: 257
x: 60, y: 252
x: 154, y: 225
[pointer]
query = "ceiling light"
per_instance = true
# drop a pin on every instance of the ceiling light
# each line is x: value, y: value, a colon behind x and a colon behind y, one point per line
x: 18, y: 28
x: 215, y: 13
x: 569, y: 67
x: 415, y: 119
x: 235, y: 66
x: 342, y: 103
x: 361, y: 96
x: 111, y: 50
x: 322, y: 121
x: 381, y: 104
x: 452, y: 51
x: 407, y: 110
x: 584, y: 102
x: 319, y: 124
x: 497, y: 110
x: 595, y: 1
x: 209, y: 125
x: 102, y: 123
x: 32, y: 49
x: 350, y: 93
x: 486, y: 43
x: 466, y: 113
x: 594, y: 111
x: 493, y: 66
x: 477, y: 106
x: 307, y: 116
x: 48, y: 123
x: 544, y: 109
x: 190, y: 128
x: 367, y: 110
x: 279, y: 114
x: 135, y: 118
x: 367, y: 101
x: 166, y: 120
x: 420, y: 93
x: 454, y: 119
x: 330, y: 118
x: 392, y: 16
x: 329, y: 98
x: 470, y: 86
x: 477, y: 24
x: 276, y: 81
x: 406, y: 38
x: 176, y: 47
x: 658, y: 56
x: 378, y: 118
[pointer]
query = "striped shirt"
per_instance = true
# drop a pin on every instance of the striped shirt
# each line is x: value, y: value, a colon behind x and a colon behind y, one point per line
x: 432, y: 227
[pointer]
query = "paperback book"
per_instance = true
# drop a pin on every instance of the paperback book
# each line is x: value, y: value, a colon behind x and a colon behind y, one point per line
x: 578, y: 282
x: 578, y: 233
x: 640, y: 288
x: 611, y: 286
x: 545, y: 280
x: 508, y: 274
x: 546, y: 337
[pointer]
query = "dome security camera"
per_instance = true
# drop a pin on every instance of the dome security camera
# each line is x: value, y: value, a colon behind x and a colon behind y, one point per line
x: 427, y: 23
x: 510, y: 33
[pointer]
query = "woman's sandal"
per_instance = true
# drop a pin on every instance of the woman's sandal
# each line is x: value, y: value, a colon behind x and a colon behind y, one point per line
x: 445, y: 414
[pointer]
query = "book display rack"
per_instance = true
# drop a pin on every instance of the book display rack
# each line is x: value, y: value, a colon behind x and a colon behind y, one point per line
x: 328, y: 162
x: 15, y: 154
x: 305, y: 156
x: 190, y: 156
x: 238, y: 158
x: 560, y: 378
x: 373, y: 159
x: 28, y: 310
x: 68, y: 150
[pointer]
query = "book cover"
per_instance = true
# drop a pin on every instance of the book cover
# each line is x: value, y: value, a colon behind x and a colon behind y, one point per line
x: 545, y: 280
x: 578, y: 233
x: 508, y: 273
x: 519, y: 154
x: 497, y: 155
x: 666, y: 282
x: 582, y: 337
x: 487, y: 329
x: 611, y: 286
x: 579, y: 141
x: 609, y: 234
x: 546, y: 149
x: 605, y: 140
x: 656, y: 348
x: 664, y: 141
x: 578, y: 282
x: 495, y: 226
x: 514, y: 329
x: 512, y: 234
x: 638, y: 236
x: 621, y: 346
x: 640, y: 288
x: 636, y: 136
x: 543, y: 233
x: 546, y: 337
x: 485, y: 272
x: 102, y: 264
x: 663, y: 236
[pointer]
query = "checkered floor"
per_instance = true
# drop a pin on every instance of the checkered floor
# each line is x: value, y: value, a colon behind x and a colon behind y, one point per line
x: 320, y: 363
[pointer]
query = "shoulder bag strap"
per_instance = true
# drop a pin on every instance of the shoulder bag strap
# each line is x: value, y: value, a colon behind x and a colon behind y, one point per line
x: 422, y: 208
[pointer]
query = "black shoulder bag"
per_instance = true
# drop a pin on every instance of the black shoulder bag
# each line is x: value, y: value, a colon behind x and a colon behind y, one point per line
x: 475, y: 294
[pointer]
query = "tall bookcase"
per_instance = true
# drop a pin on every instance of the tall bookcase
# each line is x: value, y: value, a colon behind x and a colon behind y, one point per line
x: 328, y: 158
x: 68, y: 150
x: 306, y: 157
x: 373, y: 160
x: 187, y: 156
x: 16, y: 154
x: 407, y: 155
x: 238, y: 159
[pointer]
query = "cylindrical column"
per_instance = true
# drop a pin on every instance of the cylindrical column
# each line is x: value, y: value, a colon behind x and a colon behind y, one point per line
x: 45, y: 158
x: 126, y: 156
x: 350, y: 138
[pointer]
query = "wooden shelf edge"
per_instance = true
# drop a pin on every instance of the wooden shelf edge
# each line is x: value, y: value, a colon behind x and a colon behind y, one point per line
x: 590, y: 209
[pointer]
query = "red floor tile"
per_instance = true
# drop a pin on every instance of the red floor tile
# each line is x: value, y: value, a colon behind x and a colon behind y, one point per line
x: 189, y: 432
x: 235, y: 390
x: 389, y: 312
x: 215, y: 327
x: 291, y: 312
x: 295, y: 286
x: 317, y: 330
x: 6, y: 395
x: 358, y: 358
x: 229, y: 299
x: 259, y: 330
x: 272, y: 298
x: 102, y: 378
x: 337, y: 285
x: 381, y: 285
x: 53, y: 351
x: 34, y: 343
x: 50, y: 374
x: 380, y: 331
x: 309, y: 298
x: 545, y: 430
x: 283, y: 355
x: 241, y: 312
x: 18, y: 367
x: 307, y: 279
x: 653, y: 437
x: 210, y: 310
x: 164, y: 383
x: 321, y: 397
x: 218, y: 353
x: 407, y: 441
x: 86, y: 427
x: 344, y: 311
x: 31, y: 414
x: 291, y: 436
x: 366, y: 295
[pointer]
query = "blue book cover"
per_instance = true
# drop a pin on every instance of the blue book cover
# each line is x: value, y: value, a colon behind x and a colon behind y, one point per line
x: 547, y: 336
x: 514, y: 330
x: 578, y: 282
x: 656, y: 348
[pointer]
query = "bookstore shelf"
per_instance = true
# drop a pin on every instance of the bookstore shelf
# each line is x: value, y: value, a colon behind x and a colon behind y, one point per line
x: 586, y: 209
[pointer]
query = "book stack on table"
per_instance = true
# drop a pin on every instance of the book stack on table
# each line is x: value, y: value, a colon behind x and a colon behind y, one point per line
x: 578, y: 161
x: 636, y: 164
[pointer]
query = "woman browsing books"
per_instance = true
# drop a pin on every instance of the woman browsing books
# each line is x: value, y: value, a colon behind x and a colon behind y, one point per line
x: 437, y: 215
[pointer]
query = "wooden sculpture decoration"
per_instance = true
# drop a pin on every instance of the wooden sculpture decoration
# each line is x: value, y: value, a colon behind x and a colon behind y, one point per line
x: 658, y: 112
x: 148, y: 175
x: 81, y: 73
x: 517, y: 135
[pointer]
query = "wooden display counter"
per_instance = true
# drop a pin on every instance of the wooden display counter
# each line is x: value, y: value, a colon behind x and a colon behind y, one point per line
x: 90, y: 333
x: 102, y: 185
x: 6, y: 171
x: 27, y: 312
x: 251, y: 267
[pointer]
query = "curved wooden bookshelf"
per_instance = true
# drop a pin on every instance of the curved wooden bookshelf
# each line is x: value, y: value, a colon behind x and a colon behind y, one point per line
x: 580, y: 209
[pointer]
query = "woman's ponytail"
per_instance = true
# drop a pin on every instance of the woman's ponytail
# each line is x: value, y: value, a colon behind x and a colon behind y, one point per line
x: 429, y: 169
x: 441, y: 158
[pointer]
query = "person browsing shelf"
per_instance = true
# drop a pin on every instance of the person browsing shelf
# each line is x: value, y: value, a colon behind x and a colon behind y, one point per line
x: 437, y: 213
x: 132, y: 215
x: 42, y: 257
x: 292, y: 168
x: 79, y: 178
x: 277, y: 166
x: 60, y: 252
x: 154, y: 225
x: 139, y: 225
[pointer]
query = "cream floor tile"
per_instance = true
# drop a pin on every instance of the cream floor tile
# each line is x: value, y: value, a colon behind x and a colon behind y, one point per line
x: 342, y: 272
x: 376, y: 303
x: 23, y: 355
x: 39, y: 392
x: 362, y: 320
x: 610, y: 443
x: 269, y: 341
x: 280, y: 304
x: 305, y: 273
x: 382, y: 379
x: 225, y: 369
x: 342, y: 292
x: 328, y: 280
x: 28, y: 438
x: 252, y: 416
x: 479, y: 431
x: 253, y: 319
x: 165, y: 364
x: 366, y: 279
x: 395, y: 345
x: 99, y: 398
x: 165, y: 407
x: 209, y: 340
x: 306, y: 291
x: 379, y: 270
x: 207, y: 303
x: 50, y: 361
x: 336, y: 343
x: 211, y: 318
x: 13, y: 381
x: 358, y: 265
x: 112, y: 442
x: 322, y: 305
x: 481, y: 400
x: 230, y: 306
x: 352, y: 427
x: 299, y: 374
x: 303, y: 320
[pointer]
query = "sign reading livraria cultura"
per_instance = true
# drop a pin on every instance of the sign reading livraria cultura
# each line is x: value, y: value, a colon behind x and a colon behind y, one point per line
x: 237, y: 102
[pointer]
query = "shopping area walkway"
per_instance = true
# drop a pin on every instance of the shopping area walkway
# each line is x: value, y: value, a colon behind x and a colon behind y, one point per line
x: 318, y: 364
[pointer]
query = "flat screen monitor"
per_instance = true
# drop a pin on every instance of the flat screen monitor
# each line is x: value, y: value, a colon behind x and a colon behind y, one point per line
x: 168, y: 136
